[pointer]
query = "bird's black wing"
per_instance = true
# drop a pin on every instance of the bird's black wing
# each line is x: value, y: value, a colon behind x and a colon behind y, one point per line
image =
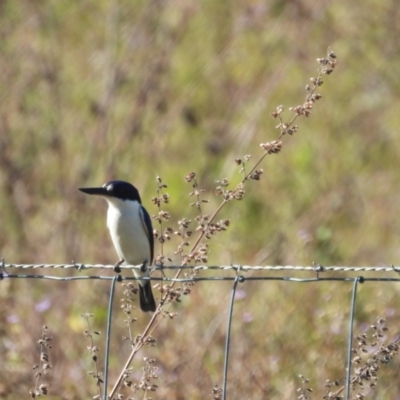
x: 148, y: 227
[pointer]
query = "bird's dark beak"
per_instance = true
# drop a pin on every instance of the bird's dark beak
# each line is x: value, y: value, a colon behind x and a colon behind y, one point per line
x: 97, y: 191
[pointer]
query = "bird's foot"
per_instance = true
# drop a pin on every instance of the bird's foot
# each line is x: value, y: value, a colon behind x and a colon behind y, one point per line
x: 117, y: 268
x: 143, y: 267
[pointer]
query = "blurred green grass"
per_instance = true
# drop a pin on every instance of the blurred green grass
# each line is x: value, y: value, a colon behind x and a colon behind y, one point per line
x: 92, y: 91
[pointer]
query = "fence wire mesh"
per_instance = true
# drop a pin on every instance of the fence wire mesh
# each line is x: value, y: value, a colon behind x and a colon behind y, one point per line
x: 237, y: 277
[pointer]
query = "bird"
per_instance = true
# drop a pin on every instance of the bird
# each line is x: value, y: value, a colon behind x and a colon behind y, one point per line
x: 131, y: 232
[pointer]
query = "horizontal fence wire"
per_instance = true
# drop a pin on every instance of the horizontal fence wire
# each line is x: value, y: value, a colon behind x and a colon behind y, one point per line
x: 236, y: 267
x: 318, y: 270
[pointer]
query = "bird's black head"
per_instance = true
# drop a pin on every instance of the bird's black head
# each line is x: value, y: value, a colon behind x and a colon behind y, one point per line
x: 118, y: 189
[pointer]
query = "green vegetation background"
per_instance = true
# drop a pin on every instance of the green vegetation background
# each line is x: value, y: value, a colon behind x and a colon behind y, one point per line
x: 96, y: 90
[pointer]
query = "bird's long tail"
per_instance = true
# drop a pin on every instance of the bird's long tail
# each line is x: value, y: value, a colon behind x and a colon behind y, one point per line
x: 146, y: 298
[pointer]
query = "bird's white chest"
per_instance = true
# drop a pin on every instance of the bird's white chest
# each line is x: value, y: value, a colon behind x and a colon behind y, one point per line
x: 127, y: 231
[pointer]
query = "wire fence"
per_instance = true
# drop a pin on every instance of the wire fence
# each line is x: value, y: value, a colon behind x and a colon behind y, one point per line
x: 238, y: 277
